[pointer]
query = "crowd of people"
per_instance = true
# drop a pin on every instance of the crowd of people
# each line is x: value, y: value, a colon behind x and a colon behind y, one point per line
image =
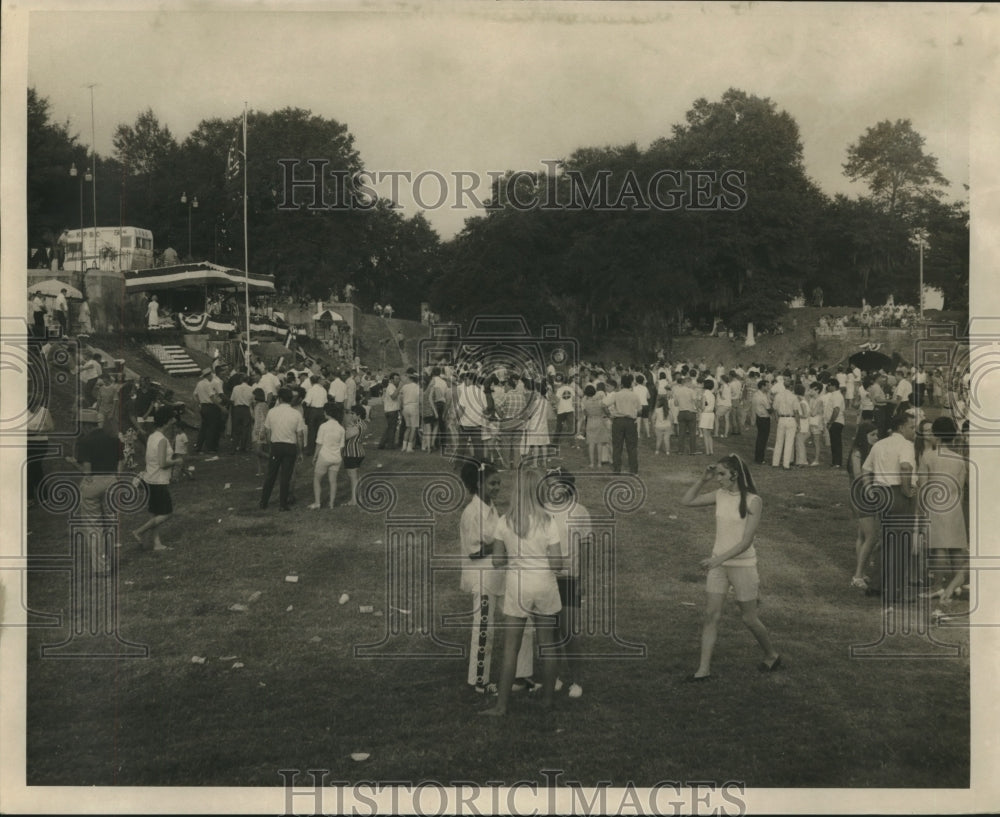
x: 503, y: 425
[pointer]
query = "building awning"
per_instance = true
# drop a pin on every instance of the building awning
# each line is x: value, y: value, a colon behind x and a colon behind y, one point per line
x: 199, y: 275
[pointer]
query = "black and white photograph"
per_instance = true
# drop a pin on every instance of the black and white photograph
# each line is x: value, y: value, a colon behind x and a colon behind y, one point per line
x: 518, y: 407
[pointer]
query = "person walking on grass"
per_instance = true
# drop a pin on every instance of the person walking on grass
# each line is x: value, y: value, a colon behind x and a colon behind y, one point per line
x: 868, y: 524
x: 327, y: 457
x: 527, y: 543
x: 160, y: 461
x: 733, y: 562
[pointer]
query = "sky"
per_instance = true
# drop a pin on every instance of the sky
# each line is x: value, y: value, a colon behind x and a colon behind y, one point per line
x: 478, y: 87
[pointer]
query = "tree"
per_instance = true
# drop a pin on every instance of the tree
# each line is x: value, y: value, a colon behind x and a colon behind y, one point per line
x: 890, y: 158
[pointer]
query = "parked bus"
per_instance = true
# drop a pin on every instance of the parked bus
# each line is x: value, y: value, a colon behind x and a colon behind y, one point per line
x: 112, y: 248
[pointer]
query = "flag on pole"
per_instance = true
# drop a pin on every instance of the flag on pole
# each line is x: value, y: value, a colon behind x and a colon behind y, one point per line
x: 234, y: 158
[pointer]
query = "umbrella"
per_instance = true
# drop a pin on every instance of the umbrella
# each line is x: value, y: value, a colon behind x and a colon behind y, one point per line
x: 869, y: 361
x: 52, y: 287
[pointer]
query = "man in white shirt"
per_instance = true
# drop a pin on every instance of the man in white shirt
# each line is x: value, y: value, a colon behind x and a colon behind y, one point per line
x: 285, y: 430
x: 891, y: 463
x: 390, y: 407
x: 209, y: 399
x: 242, y: 400
x: 270, y: 383
x: 314, y: 411
x: 61, y: 309
x: 903, y: 390
x: 338, y: 390
x: 786, y: 407
x: 833, y: 416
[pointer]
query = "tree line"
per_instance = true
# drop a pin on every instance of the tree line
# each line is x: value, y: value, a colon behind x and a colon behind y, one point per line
x: 719, y: 219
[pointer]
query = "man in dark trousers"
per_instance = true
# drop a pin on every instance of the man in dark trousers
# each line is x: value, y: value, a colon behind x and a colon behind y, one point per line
x: 760, y: 407
x: 285, y: 430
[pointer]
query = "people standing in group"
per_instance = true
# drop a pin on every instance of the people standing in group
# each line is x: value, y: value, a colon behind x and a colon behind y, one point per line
x: 327, y: 454
x: 880, y: 401
x: 355, y: 428
x: 160, y: 460
x: 785, y: 406
x: 527, y: 543
x: 941, y: 474
x: 486, y: 583
x: 564, y: 395
x: 833, y: 417
x: 891, y: 464
x: 866, y: 406
x: 723, y: 406
x: 733, y: 563
x: 623, y: 407
x: 760, y: 408
x: 285, y: 433
x: 642, y: 392
x: 867, y: 521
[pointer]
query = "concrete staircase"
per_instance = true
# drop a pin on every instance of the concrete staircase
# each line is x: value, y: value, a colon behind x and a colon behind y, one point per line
x: 174, y: 360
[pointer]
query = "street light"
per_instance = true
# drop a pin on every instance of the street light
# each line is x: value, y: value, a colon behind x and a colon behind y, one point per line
x: 919, y: 238
x: 192, y: 205
x: 73, y: 172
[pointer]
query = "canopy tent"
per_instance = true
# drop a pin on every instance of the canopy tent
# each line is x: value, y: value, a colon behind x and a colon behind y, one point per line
x: 201, y: 274
x: 329, y: 315
x: 52, y: 287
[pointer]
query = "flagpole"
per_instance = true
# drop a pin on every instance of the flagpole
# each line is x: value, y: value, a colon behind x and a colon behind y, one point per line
x: 246, y: 245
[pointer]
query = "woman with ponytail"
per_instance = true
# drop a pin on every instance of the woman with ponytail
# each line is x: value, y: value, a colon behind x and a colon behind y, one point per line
x: 733, y: 561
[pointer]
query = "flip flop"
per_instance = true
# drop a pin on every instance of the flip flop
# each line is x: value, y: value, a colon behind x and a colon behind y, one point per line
x: 763, y: 666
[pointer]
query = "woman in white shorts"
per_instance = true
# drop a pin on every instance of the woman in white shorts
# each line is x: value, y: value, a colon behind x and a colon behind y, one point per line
x: 330, y: 439
x: 733, y: 562
x: 527, y: 542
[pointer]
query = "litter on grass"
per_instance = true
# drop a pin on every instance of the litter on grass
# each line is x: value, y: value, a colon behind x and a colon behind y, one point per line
x: 228, y: 658
x: 227, y: 486
x: 366, y: 608
x: 315, y: 639
x: 344, y: 598
x: 211, y: 459
x: 689, y: 604
x: 256, y: 594
x: 378, y: 541
x: 190, y: 468
x: 291, y: 577
x: 802, y: 494
x: 238, y: 608
x: 399, y: 610
x: 672, y: 516
x: 288, y: 609
x: 237, y: 665
x: 359, y: 756
x: 197, y: 659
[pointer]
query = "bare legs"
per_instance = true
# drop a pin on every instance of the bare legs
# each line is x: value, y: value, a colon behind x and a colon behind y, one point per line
x: 710, y: 631
x: 868, y: 530
x: 153, y: 525
x: 513, y: 633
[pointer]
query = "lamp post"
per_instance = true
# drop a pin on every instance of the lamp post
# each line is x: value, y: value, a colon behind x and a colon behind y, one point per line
x: 93, y: 172
x: 920, y: 239
x: 73, y: 172
x: 192, y: 205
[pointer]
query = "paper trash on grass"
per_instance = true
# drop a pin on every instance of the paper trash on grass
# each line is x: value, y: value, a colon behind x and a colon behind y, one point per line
x: 288, y: 609
x: 315, y: 639
x: 802, y: 494
x: 237, y: 665
x: 256, y: 594
x: 197, y: 659
x: 211, y: 459
x: 344, y: 598
x: 689, y: 604
x: 672, y: 516
x: 366, y: 608
x: 238, y: 608
x: 227, y: 486
x: 229, y: 658
x: 291, y: 577
x: 359, y: 756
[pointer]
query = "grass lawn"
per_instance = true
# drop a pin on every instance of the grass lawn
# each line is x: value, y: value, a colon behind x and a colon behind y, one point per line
x: 303, y: 700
